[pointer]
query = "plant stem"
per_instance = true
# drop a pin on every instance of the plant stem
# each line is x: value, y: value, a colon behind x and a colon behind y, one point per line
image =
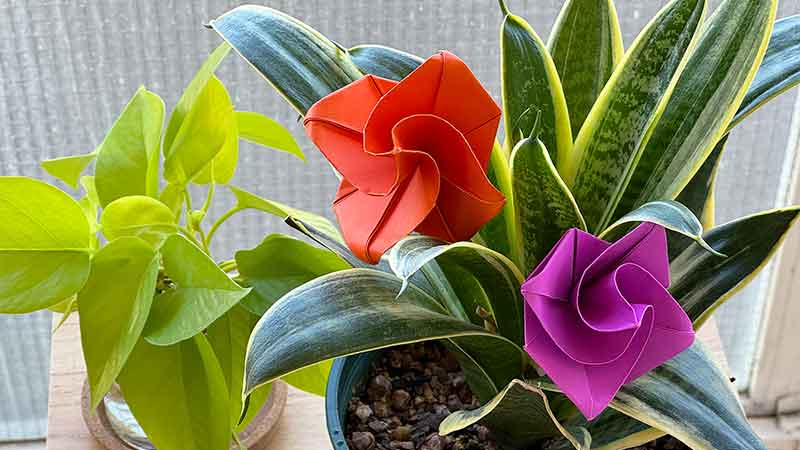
x: 504, y: 8
x: 219, y: 222
x: 228, y: 266
x: 190, y: 235
x: 209, y: 197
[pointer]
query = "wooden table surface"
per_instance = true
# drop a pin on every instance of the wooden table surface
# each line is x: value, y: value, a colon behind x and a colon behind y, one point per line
x: 302, y: 425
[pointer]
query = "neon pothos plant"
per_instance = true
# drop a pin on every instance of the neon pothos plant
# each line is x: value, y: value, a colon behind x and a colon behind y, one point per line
x: 157, y: 314
x: 596, y: 138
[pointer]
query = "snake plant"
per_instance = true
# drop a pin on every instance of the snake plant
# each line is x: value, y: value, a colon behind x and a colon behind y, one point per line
x: 597, y: 137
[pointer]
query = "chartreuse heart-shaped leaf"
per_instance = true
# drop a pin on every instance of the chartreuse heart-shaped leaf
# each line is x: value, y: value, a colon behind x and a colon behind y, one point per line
x: 127, y: 159
x: 705, y: 99
x: 384, y: 62
x: 359, y: 310
x: 544, y: 205
x: 69, y: 168
x: 586, y: 45
x: 207, y: 130
x: 604, y: 157
x: 262, y: 130
x: 228, y: 336
x: 298, y: 61
x: 202, y: 293
x: 670, y: 215
x: 611, y: 430
x: 499, y: 278
x: 178, y: 395
x: 779, y: 70
x: 531, y: 88
x: 192, y: 92
x: 701, y: 281
x: 44, y: 245
x: 519, y: 417
x: 278, y: 265
x: 140, y: 216
x: 312, y: 379
x: 113, y: 306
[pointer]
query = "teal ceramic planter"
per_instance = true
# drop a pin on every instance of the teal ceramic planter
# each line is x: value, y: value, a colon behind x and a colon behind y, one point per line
x: 347, y: 373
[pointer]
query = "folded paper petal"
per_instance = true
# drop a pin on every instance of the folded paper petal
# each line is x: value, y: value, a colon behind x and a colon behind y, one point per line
x: 598, y: 315
x: 374, y: 132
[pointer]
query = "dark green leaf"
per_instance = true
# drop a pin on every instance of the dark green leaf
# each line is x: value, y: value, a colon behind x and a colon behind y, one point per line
x: 384, y: 62
x: 613, y: 136
x: 701, y: 281
x: 586, y: 45
x: 299, y: 62
x: 611, y: 430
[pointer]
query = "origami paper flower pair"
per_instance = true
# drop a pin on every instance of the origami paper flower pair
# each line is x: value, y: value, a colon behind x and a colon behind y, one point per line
x: 598, y: 315
x: 412, y: 155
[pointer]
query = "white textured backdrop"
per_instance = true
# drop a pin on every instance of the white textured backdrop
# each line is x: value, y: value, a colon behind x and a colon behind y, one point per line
x: 68, y: 67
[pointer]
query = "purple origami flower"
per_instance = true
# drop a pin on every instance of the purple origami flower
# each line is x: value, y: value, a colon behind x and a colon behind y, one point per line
x: 598, y: 315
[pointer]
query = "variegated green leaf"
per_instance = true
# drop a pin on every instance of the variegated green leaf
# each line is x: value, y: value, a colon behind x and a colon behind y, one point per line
x: 384, y: 61
x: 530, y: 85
x: 701, y: 281
x: 586, y: 45
x: 670, y: 215
x: 359, y: 310
x: 298, y: 61
x: 499, y: 278
x: 779, y: 70
x: 519, y: 417
x: 500, y: 234
x: 705, y: 99
x: 611, y: 430
x: 544, y: 205
x: 611, y: 140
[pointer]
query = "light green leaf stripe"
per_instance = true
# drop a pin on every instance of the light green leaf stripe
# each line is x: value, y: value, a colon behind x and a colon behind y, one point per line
x: 611, y: 140
x: 779, y: 70
x: 353, y: 311
x: 500, y: 234
x: 705, y: 99
x: 69, y: 168
x: 384, y: 61
x: 125, y: 270
x: 670, y: 215
x: 530, y: 87
x: 127, y: 159
x: 499, y: 277
x: 586, y: 44
x: 544, y: 205
x: 701, y: 281
x: 511, y: 427
x: 262, y: 130
x: 298, y: 61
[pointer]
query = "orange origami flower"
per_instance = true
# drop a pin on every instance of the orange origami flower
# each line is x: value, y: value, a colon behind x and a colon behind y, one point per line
x: 412, y: 155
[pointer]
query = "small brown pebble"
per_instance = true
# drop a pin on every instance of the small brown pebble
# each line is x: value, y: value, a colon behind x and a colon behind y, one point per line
x: 434, y: 442
x: 363, y: 440
x: 483, y: 432
x: 379, y: 388
x: 378, y: 426
x: 363, y: 412
x: 401, y: 433
x: 418, y: 401
x: 400, y: 400
x: 402, y: 445
x: 381, y: 409
x: 454, y: 403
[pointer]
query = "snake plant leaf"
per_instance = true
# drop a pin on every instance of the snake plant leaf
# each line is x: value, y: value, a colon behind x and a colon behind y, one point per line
x: 127, y: 159
x: 586, y: 45
x: 278, y: 265
x: 262, y: 130
x: 177, y: 394
x: 779, y: 70
x: 385, y: 62
x: 701, y: 281
x: 228, y: 337
x: 610, y: 143
x: 298, y: 61
x: 44, y: 245
x: 113, y: 307
x: 500, y: 234
x: 499, y: 278
x: 69, y: 168
x: 510, y: 427
x: 530, y: 87
x: 711, y: 87
x: 544, y: 205
x: 354, y: 311
x: 202, y: 294
x: 670, y: 215
x: 193, y: 90
x: 611, y: 430
x: 140, y: 216
x: 208, y: 129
